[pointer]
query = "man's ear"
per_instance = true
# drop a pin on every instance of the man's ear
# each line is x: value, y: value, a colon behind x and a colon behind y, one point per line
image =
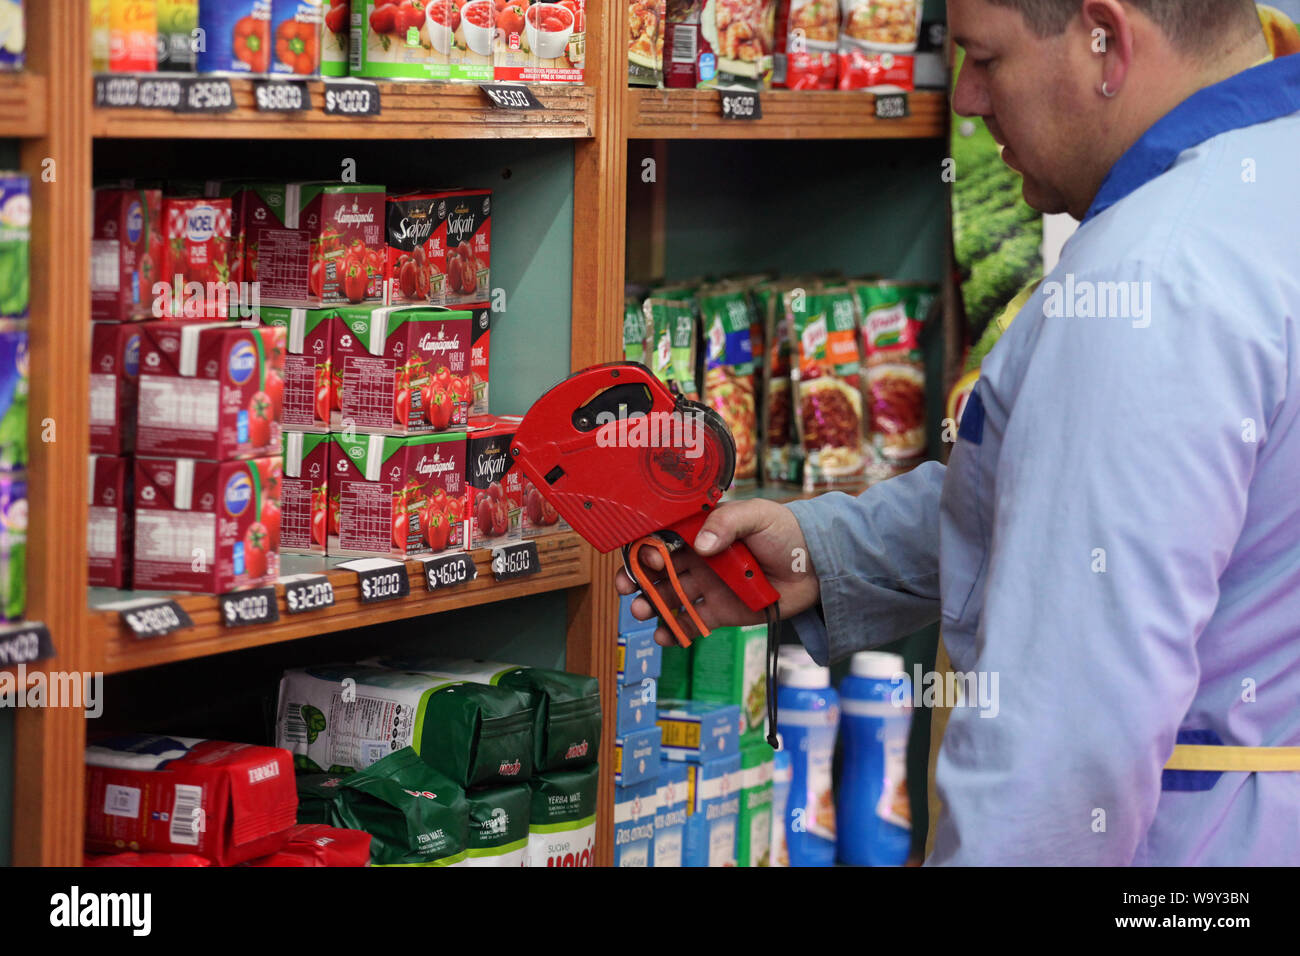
x: 1110, y: 31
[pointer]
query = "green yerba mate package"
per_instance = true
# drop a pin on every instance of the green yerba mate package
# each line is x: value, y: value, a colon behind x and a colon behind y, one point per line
x: 320, y: 798
x: 562, y: 826
x: 675, y: 673
x: 498, y: 826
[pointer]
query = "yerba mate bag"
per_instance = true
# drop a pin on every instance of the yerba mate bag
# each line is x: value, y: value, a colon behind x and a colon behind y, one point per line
x: 319, y: 798
x: 415, y: 816
x: 498, y: 826
x: 344, y: 718
x: 562, y: 829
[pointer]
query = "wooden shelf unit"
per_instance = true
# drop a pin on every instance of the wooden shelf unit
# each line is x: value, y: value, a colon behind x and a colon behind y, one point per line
x: 23, y: 106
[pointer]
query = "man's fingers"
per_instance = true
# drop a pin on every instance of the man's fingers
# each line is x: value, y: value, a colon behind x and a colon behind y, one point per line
x: 624, y: 584
x: 730, y: 521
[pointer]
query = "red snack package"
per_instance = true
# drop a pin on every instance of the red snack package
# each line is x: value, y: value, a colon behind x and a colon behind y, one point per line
x: 144, y: 859
x: 496, y: 491
x: 111, y: 522
x: 807, y: 32
x: 114, y: 387
x: 318, y: 844
x: 124, y: 258
x: 225, y: 802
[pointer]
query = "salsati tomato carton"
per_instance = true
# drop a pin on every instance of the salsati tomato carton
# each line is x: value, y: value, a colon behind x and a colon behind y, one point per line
x: 210, y: 390
x: 304, y: 491
x: 110, y: 523
x: 480, y: 354
x: 495, y: 487
x: 410, y: 222
x: 206, y: 526
x: 308, y: 369
x: 195, y: 270
x: 114, y: 384
x: 401, y: 370
x: 226, y: 802
x: 396, y: 496
x: 461, y: 247
x: 316, y: 244
x: 124, y: 253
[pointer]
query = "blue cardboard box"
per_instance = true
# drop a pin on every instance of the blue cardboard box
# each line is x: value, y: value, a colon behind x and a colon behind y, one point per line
x: 626, y: 622
x: 634, y: 823
x: 636, y: 756
x: 696, y: 730
x: 639, y: 657
x: 671, y: 814
x: 636, y: 707
x: 711, y: 826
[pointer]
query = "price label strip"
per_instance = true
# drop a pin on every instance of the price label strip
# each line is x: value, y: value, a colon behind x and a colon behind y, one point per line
x: 380, y: 579
x: 117, y: 92
x: 515, y: 561
x: 24, y: 643
x: 741, y: 105
x: 207, y: 95
x: 449, y: 570
x: 281, y: 96
x: 511, y: 96
x: 350, y: 98
x: 253, y: 606
x: 307, y: 592
x: 892, y: 106
x: 150, y: 617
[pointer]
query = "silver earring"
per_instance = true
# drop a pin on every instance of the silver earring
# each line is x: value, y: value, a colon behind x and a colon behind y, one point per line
x: 1106, y: 90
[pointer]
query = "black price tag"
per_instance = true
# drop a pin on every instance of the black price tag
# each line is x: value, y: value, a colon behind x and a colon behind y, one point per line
x: 254, y: 606
x: 449, y: 570
x: 380, y: 579
x: 155, y: 618
x: 161, y: 93
x: 515, y: 561
x: 511, y: 96
x: 740, y: 105
x: 308, y: 592
x: 281, y: 96
x: 117, y: 92
x: 892, y: 106
x: 24, y: 643
x: 352, y: 99
x: 207, y: 95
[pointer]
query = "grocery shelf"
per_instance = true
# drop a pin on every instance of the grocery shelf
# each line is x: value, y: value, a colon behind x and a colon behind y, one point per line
x: 22, y: 105
x: 410, y: 111
x: 565, y: 563
x: 783, y: 494
x: 787, y: 114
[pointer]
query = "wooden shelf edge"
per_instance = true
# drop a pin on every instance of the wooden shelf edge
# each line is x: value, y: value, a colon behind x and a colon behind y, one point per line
x: 565, y: 563
x: 23, y: 106
x: 787, y: 114
x: 410, y: 111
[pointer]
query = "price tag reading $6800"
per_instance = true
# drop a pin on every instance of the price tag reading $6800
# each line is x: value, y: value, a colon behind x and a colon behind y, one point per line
x: 515, y: 560
x: 281, y: 96
x: 449, y: 570
x: 307, y: 592
x: 253, y: 606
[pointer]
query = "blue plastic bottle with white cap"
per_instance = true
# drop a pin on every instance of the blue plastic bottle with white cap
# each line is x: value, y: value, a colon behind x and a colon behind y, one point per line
x: 875, y: 818
x: 808, y: 720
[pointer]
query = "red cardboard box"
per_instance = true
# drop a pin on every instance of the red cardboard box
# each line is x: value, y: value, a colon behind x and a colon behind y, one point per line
x: 396, y: 496
x: 308, y: 369
x: 114, y: 387
x: 196, y: 260
x: 206, y: 526
x: 210, y: 390
x: 304, y: 491
x: 110, y: 525
x: 480, y: 353
x: 226, y: 802
x: 495, y: 486
x: 461, y: 247
x: 123, y: 269
x: 409, y: 271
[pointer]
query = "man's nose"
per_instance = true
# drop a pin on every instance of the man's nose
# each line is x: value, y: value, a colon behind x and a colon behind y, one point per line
x: 970, y: 96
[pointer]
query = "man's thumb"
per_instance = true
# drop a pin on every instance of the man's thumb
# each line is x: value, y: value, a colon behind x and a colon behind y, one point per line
x: 724, y: 526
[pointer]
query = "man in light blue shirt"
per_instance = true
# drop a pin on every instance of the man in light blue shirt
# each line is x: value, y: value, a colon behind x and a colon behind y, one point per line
x: 1117, y: 533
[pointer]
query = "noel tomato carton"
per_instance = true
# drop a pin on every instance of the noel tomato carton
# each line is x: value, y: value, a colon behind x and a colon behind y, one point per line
x: 226, y: 802
x: 461, y: 246
x: 114, y: 385
x: 309, y: 380
x: 495, y: 486
x: 480, y: 354
x: 316, y: 243
x: 410, y: 222
x: 401, y: 371
x: 194, y: 275
x: 304, y: 492
x: 111, y: 521
x: 210, y: 390
x: 123, y: 268
x: 396, y: 495
x: 206, y: 526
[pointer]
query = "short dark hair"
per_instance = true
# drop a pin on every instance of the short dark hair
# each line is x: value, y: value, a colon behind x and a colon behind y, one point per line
x: 1194, y: 26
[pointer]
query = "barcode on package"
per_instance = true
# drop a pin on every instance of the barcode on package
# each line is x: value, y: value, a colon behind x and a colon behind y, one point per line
x: 187, y: 815
x: 357, y: 44
x: 121, y: 801
x: 684, y: 44
x: 295, y: 728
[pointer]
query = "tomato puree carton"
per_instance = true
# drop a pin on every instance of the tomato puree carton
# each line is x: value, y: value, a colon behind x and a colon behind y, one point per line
x: 480, y: 354
x: 495, y: 487
x: 308, y: 371
x: 226, y: 802
x: 556, y: 33
x: 396, y: 496
x: 123, y: 268
x: 461, y: 247
x: 409, y: 274
x: 206, y: 526
x: 304, y: 492
x: 110, y: 523
x: 401, y: 371
x: 194, y: 276
x: 114, y: 384
x: 210, y: 390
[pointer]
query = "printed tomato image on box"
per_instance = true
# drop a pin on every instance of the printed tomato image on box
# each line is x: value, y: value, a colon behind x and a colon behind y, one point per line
x: 237, y: 37
x: 226, y: 802
x: 461, y: 248
x: 296, y: 27
x: 114, y: 385
x: 304, y: 492
x: 407, y: 40
x: 557, y: 35
x: 195, y: 268
x: 402, y: 370
x: 480, y: 355
x: 110, y: 524
x: 210, y: 390
x: 123, y: 269
x: 317, y: 243
x: 409, y: 273
x: 397, y: 496
x: 495, y: 487
x: 308, y: 370
x: 206, y: 526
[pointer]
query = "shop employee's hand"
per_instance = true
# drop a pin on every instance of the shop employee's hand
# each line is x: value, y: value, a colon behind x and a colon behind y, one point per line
x: 771, y: 533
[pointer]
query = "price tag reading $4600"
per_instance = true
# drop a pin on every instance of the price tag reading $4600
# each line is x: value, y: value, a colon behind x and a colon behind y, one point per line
x: 515, y: 560
x: 449, y: 570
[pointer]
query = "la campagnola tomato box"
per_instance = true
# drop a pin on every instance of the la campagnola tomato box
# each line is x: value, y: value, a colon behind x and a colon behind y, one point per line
x: 480, y: 354
x: 304, y: 492
x: 206, y: 526
x: 495, y: 486
x: 114, y: 383
x: 401, y: 370
x: 396, y: 496
x: 210, y: 390
x: 310, y: 389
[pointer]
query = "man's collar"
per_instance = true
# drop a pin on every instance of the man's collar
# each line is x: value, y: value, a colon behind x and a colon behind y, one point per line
x: 1254, y: 96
